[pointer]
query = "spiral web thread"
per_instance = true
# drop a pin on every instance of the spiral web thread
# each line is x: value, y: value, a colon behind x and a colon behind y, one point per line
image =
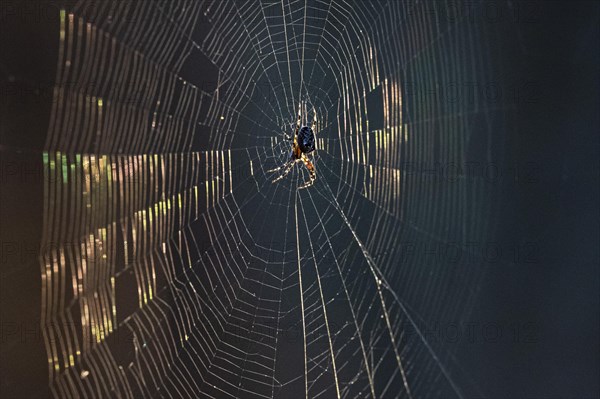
x: 173, y: 267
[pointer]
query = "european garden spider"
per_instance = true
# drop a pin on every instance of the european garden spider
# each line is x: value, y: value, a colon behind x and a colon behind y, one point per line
x: 303, y: 145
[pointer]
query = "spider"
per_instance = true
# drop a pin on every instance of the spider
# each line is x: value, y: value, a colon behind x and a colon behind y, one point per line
x: 303, y: 145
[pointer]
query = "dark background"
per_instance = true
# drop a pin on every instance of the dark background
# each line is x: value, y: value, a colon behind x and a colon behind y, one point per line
x: 552, y: 302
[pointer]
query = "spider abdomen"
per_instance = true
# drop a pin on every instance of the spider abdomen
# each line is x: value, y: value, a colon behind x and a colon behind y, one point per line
x: 306, y: 140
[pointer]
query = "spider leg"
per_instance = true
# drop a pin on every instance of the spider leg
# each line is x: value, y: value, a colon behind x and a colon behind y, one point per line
x: 314, y: 124
x: 288, y: 167
x: 290, y: 159
x: 311, y: 171
x: 298, y: 123
x: 276, y: 169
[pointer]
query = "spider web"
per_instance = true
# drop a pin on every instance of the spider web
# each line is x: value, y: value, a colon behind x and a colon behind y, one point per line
x: 180, y: 270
